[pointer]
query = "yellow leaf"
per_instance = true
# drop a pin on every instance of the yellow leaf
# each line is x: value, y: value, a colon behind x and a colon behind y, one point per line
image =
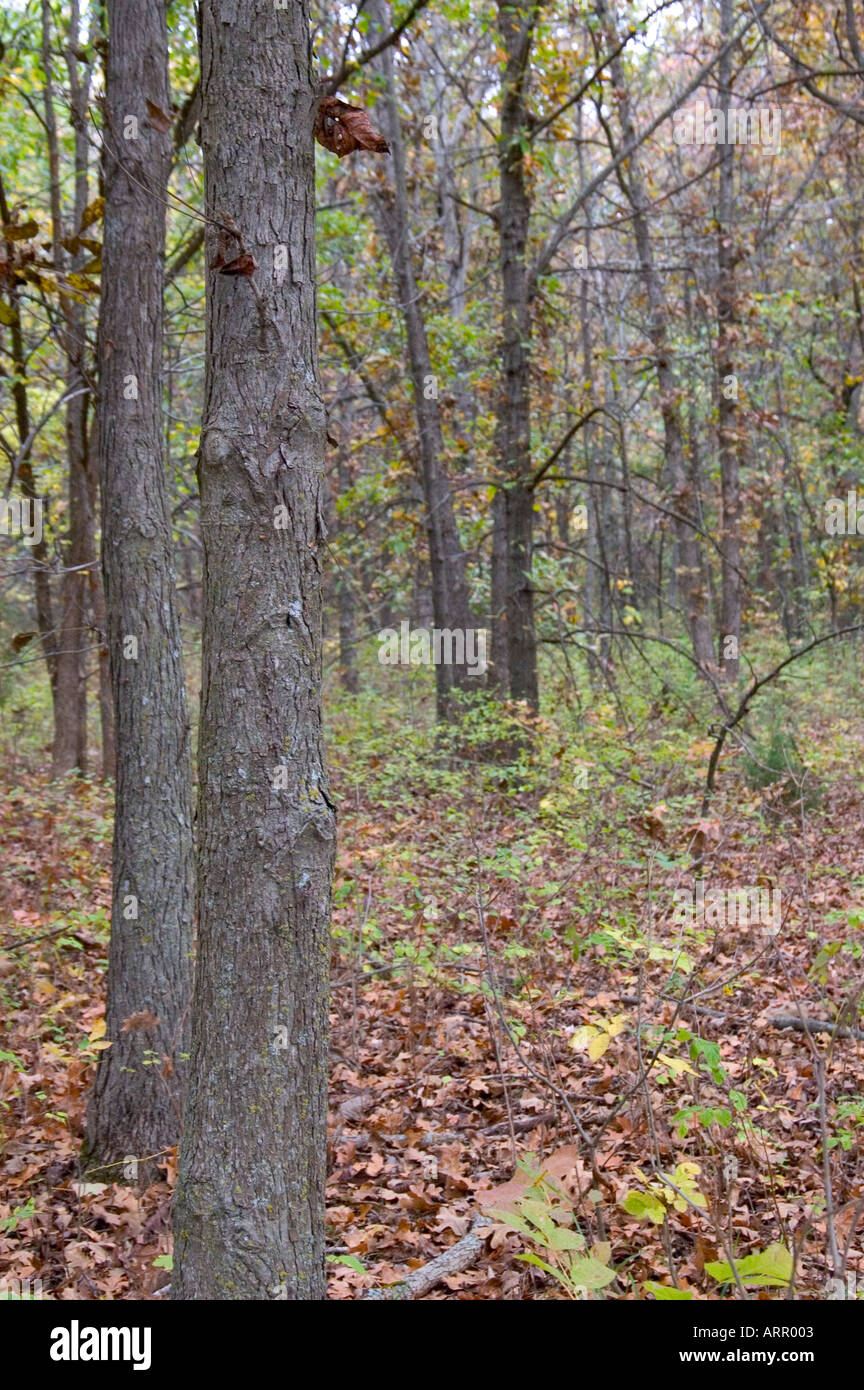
x: 675, y: 1064
x: 583, y: 1036
x: 98, y: 1029
x: 598, y: 1046
x: 92, y: 213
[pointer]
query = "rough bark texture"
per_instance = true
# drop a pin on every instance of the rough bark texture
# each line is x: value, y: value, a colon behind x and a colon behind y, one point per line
x: 516, y: 514
x: 249, y: 1217
x: 135, y: 1108
x: 462, y: 1255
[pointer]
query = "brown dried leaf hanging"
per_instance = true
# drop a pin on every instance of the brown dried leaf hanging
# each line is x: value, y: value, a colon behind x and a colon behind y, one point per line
x: 343, y: 128
x: 231, y: 256
x: 241, y: 265
x: 159, y: 119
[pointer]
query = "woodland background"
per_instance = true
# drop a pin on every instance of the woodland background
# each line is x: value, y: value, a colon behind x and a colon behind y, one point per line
x: 591, y: 390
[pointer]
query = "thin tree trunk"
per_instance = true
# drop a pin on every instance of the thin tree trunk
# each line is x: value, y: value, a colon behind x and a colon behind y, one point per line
x: 135, y: 1108
x: 40, y: 556
x: 679, y: 485
x: 499, y: 664
x: 515, y: 27
x: 249, y: 1216
x: 344, y: 580
x: 450, y: 605
x: 727, y: 429
x: 70, y: 722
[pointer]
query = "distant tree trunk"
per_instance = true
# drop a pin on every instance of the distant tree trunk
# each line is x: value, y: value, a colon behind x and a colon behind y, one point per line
x: 449, y: 583
x: 98, y: 618
x: 70, y: 710
x: 499, y: 664
x: 249, y: 1217
x: 515, y: 512
x: 795, y: 606
x: 598, y: 607
x: 679, y: 484
x: 727, y: 407
x: 40, y: 555
x: 135, y: 1108
x: 73, y: 635
x: 345, y: 593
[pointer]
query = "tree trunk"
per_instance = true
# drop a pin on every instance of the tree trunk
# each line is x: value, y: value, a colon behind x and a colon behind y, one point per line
x: 348, y: 676
x: 135, y: 1109
x: 40, y: 555
x: 727, y: 407
x: 249, y: 1216
x: 450, y: 605
x: 679, y: 484
x: 516, y: 514
x: 70, y: 707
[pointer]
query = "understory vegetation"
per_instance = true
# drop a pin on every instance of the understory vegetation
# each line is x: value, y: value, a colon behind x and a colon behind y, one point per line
x: 511, y: 995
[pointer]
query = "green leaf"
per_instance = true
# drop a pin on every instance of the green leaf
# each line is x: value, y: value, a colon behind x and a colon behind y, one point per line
x: 562, y: 1239
x: 642, y: 1205
x: 515, y: 1223
x: 588, y: 1273
x: 771, y: 1268
x: 664, y: 1293
x: 530, y: 1259
x: 350, y: 1260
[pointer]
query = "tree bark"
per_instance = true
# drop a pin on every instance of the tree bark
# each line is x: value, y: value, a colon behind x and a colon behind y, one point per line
x: 678, y: 482
x: 515, y: 512
x: 70, y: 707
x: 348, y: 676
x: 40, y: 555
x: 135, y: 1108
x: 727, y: 429
x: 450, y: 605
x: 249, y: 1215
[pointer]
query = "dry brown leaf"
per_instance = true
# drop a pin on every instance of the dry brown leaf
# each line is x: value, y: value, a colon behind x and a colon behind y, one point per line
x: 159, y: 119
x: 342, y: 129
x: 143, y: 1019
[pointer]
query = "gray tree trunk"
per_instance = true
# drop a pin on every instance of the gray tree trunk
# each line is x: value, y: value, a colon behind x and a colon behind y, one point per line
x: 515, y: 512
x: 72, y: 639
x: 135, y: 1108
x: 40, y: 557
x: 450, y: 607
x: 348, y: 676
x: 727, y: 407
x: 249, y: 1214
x: 679, y: 484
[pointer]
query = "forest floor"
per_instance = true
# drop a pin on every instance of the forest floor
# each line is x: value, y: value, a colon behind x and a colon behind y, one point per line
x: 508, y: 974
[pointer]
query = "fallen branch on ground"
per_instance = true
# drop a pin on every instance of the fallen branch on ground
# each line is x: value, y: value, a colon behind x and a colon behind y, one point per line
x: 453, y: 1261
x: 801, y: 1025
